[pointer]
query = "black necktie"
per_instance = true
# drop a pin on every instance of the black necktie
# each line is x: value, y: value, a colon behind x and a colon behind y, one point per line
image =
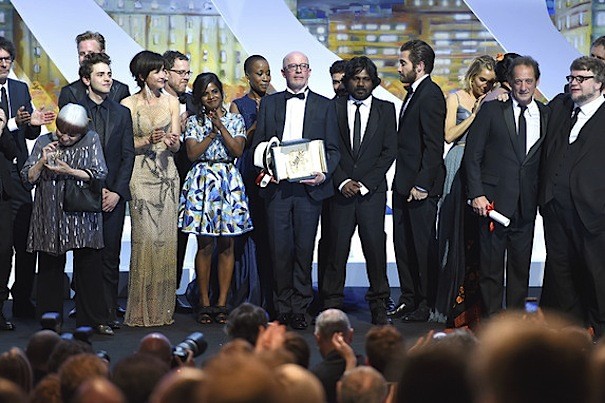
x: 99, y: 123
x: 574, y: 116
x: 522, y: 135
x: 357, y: 129
x: 4, y: 103
x: 183, y: 98
x: 300, y: 95
x: 406, y: 99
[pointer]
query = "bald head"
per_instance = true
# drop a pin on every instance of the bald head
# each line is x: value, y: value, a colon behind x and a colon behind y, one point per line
x: 362, y: 384
x: 98, y: 390
x: 297, y: 384
x: 179, y: 386
x: 158, y: 345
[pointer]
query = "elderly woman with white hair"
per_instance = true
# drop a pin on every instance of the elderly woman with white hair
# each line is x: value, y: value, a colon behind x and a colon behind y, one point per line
x: 59, y: 165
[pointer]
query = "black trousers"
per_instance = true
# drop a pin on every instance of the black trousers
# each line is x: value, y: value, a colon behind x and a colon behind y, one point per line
x: 113, y: 224
x: 516, y: 241
x: 367, y: 215
x: 6, y: 246
x: 414, y: 238
x: 574, y: 273
x: 90, y: 302
x: 292, y: 220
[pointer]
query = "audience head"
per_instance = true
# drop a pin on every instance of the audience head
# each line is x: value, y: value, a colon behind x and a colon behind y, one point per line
x: 328, y: 323
x: 179, y: 386
x: 15, y: 367
x: 98, y: 390
x: 11, y: 393
x: 502, y: 67
x: 361, y: 77
x: 337, y: 71
x: 48, y: 390
x: 296, y: 344
x: 65, y: 349
x: 238, y: 378
x: 147, y: 68
x: 385, y: 351
x: 597, y: 49
x: 362, y: 385
x: 480, y: 76
x: 523, y: 77
x: 89, y: 42
x: 592, y: 73
x: 77, y: 369
x: 296, y: 70
x: 416, y: 59
x: 178, y: 72
x: 208, y: 92
x: 298, y: 385
x: 137, y: 375
x: 245, y: 321
x: 257, y: 71
x: 522, y: 361
x: 157, y: 345
x: 38, y: 350
x: 7, y: 56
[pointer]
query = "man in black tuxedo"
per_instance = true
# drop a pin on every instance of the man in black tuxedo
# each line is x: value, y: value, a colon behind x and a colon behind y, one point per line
x: 418, y: 182
x: 178, y: 73
x: 368, y: 145
x: 293, y: 208
x: 90, y: 42
x: 21, y: 123
x: 571, y: 197
x: 501, y: 161
x: 113, y: 124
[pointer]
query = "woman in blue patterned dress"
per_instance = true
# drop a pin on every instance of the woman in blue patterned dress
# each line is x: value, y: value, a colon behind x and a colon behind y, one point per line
x: 252, y: 276
x: 213, y: 203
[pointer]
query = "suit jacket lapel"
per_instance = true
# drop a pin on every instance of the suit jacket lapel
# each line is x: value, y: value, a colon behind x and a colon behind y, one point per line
x: 509, y: 119
x: 280, y: 114
x: 589, y: 130
x: 309, y: 111
x: 109, y: 124
x: 343, y: 123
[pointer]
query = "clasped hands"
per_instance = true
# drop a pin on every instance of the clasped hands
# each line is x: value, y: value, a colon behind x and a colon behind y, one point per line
x: 157, y: 135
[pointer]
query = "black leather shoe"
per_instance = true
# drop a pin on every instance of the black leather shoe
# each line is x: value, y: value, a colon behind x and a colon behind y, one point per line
x: 104, y: 330
x: 400, y: 310
x: 6, y: 324
x: 182, y: 307
x: 419, y: 315
x: 120, y: 312
x: 380, y: 318
x: 298, y: 321
x: 283, y: 319
x: 114, y: 324
x: 72, y: 313
x: 390, y: 304
x: 25, y: 310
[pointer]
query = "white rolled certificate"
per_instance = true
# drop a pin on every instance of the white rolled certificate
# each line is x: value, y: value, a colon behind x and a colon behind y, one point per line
x: 494, y: 215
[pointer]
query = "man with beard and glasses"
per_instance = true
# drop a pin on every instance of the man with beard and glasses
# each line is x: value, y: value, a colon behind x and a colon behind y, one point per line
x: 418, y: 182
x: 571, y: 197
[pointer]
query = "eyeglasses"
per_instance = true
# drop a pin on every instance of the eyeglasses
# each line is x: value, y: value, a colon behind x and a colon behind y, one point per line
x: 6, y: 59
x: 182, y: 73
x: 579, y: 79
x: 294, y: 67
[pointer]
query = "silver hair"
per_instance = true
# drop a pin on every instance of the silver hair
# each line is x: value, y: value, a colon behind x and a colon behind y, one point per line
x: 332, y: 321
x: 74, y: 115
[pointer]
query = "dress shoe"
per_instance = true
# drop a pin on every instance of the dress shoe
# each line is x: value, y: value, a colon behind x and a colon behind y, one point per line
x: 283, y: 319
x: 104, y: 330
x: 120, y: 312
x: 298, y: 321
x: 5, y: 324
x: 419, y: 315
x: 182, y: 307
x: 390, y: 304
x: 72, y: 313
x: 114, y: 324
x: 400, y: 310
x: 25, y: 310
x: 380, y: 318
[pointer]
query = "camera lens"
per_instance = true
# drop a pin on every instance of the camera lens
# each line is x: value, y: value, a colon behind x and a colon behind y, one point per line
x: 194, y: 342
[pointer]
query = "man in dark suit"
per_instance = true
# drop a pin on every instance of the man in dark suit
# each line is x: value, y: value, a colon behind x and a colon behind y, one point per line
x: 90, y: 42
x: 571, y: 197
x: 21, y: 123
x: 368, y: 145
x: 502, y: 160
x: 293, y: 208
x: 178, y: 73
x: 113, y: 124
x: 418, y: 182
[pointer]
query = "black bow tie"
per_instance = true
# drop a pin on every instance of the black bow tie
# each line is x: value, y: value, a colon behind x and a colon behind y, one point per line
x: 183, y: 98
x: 300, y: 95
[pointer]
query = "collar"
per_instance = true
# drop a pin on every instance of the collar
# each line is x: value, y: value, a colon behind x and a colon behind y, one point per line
x: 366, y: 102
x: 416, y: 83
x: 92, y: 104
x: 304, y: 90
x: 532, y: 107
x: 5, y: 85
x: 591, y: 107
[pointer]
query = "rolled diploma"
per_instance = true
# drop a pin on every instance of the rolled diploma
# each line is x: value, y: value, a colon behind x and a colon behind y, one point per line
x: 494, y: 215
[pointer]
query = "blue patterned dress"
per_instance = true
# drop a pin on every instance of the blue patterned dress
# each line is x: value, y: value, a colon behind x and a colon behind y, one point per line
x: 213, y: 200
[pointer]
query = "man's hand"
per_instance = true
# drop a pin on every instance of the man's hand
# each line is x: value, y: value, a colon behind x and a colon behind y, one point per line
x: 23, y: 117
x: 270, y: 338
x: 2, y: 120
x: 184, y: 117
x: 344, y: 350
x: 188, y: 362
x: 42, y: 116
x: 481, y: 205
x: 110, y: 200
x: 318, y: 179
x: 350, y: 189
x: 416, y: 194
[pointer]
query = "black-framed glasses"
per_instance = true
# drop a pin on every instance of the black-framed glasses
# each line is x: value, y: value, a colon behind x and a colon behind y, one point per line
x: 294, y: 67
x: 182, y: 73
x: 579, y: 79
x: 6, y: 59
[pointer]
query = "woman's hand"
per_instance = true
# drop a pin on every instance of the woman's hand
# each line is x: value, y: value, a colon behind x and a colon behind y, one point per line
x: 216, y: 121
x: 171, y: 140
x: 156, y: 136
x: 49, y: 149
x: 62, y: 168
x: 478, y: 104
